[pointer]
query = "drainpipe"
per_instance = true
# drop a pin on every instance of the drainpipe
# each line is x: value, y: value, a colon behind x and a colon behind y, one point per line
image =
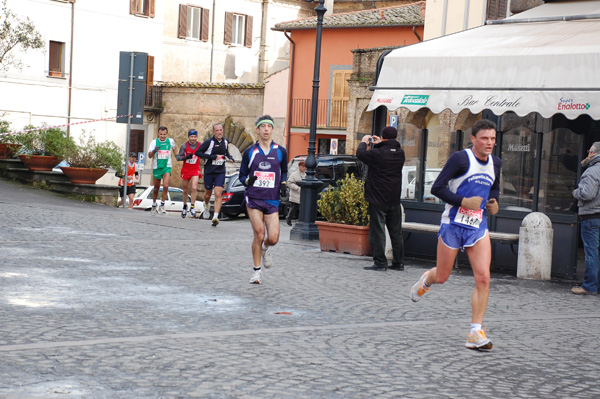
x: 416, y: 34
x: 288, y: 119
x: 71, y: 67
x: 212, y: 41
x: 262, y: 57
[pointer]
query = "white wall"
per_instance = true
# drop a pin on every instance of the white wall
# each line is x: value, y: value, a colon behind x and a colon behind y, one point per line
x: 102, y: 29
x: 188, y: 60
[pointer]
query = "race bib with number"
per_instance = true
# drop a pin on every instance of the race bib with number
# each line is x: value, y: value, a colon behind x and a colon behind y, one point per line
x: 468, y: 217
x: 218, y: 162
x: 192, y: 161
x: 163, y: 154
x: 265, y: 179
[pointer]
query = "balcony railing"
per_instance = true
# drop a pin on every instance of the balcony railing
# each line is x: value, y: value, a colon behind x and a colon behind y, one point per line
x: 330, y: 113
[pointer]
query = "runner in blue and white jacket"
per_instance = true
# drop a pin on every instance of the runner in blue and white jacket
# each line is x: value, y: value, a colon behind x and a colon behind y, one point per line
x: 469, y: 184
x: 264, y: 172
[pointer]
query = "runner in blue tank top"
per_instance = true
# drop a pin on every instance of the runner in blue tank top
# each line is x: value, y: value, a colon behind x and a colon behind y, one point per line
x: 469, y: 185
x: 264, y: 172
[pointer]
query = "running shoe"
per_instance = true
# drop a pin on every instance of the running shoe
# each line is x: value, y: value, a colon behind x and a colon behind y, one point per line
x: 193, y: 212
x: 266, y: 257
x: 161, y: 209
x: 153, y: 210
x: 184, y: 211
x: 479, y: 341
x: 418, y: 289
x: 256, y: 277
x: 206, y: 213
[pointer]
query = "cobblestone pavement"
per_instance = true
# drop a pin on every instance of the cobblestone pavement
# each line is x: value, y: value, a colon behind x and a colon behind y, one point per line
x: 100, y: 302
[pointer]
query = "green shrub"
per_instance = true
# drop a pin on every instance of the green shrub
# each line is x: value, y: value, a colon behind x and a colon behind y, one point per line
x: 345, y: 203
x: 53, y: 142
x: 90, y: 154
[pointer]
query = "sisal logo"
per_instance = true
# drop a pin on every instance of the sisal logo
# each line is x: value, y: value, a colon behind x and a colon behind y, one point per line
x: 415, y: 99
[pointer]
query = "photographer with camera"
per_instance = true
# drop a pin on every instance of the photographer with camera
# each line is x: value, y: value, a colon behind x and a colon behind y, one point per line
x: 385, y: 159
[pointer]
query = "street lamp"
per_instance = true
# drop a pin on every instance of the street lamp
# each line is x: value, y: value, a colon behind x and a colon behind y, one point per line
x: 306, y: 229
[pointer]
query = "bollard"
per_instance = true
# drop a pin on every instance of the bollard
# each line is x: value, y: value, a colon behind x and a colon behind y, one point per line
x: 535, y: 247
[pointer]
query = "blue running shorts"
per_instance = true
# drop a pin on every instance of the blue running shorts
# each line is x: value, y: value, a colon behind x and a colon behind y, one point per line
x: 457, y: 237
x: 211, y: 181
x: 266, y: 207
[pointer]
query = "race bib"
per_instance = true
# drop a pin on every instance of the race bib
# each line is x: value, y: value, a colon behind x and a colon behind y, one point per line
x: 265, y: 179
x: 468, y: 217
x: 192, y: 161
x: 218, y: 162
x: 163, y: 154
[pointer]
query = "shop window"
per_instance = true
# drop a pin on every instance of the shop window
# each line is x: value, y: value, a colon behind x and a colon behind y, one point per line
x: 558, y: 173
x: 440, y: 145
x: 238, y: 29
x: 193, y: 23
x: 409, y: 137
x: 142, y: 7
x: 519, y: 146
x: 56, y: 66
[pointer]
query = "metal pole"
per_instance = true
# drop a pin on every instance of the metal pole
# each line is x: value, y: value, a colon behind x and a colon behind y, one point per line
x: 306, y: 228
x: 129, y: 116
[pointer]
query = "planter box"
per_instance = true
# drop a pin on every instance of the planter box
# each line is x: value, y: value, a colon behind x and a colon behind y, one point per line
x: 335, y: 237
x: 39, y: 162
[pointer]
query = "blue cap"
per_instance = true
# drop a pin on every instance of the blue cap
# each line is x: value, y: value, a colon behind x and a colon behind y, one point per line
x: 192, y: 132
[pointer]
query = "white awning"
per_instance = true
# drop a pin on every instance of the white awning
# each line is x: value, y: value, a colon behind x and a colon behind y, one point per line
x: 547, y: 67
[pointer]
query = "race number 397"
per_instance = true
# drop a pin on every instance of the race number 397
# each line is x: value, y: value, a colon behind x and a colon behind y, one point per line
x: 265, y: 179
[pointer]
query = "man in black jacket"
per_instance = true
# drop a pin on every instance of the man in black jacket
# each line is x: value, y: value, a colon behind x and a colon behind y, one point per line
x: 382, y: 191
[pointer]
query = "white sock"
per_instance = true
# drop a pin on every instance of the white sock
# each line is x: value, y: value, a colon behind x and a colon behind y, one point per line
x: 216, y: 216
x: 264, y: 247
x: 475, y: 327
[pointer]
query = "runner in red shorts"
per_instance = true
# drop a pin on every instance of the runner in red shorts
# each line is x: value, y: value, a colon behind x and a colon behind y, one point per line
x: 190, y: 171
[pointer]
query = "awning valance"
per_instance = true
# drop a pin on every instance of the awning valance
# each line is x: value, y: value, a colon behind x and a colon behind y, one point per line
x: 547, y: 67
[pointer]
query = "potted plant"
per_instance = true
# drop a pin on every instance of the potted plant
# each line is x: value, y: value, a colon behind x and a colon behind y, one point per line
x: 89, y: 160
x: 8, y: 143
x: 42, y: 150
x: 346, y: 214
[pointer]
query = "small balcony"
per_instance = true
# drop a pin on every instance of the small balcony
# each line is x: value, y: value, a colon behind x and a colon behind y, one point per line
x: 330, y: 113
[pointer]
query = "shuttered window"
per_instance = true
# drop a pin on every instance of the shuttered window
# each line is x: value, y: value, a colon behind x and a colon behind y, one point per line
x: 142, y: 7
x: 496, y: 9
x: 340, y: 94
x: 56, y: 66
x: 193, y: 22
x: 238, y: 29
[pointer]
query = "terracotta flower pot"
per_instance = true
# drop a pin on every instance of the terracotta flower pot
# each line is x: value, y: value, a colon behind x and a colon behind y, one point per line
x: 336, y: 237
x: 83, y: 175
x: 39, y: 162
x: 7, y: 150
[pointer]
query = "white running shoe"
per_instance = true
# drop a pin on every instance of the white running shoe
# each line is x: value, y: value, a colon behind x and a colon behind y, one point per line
x: 193, y: 212
x: 266, y: 257
x: 256, y: 277
x: 153, y: 210
x: 479, y: 341
x: 206, y: 213
x: 161, y: 209
x: 184, y: 211
x: 215, y: 221
x: 418, y: 289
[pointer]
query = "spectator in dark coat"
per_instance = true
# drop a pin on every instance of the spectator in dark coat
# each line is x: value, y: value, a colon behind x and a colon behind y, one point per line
x: 385, y: 159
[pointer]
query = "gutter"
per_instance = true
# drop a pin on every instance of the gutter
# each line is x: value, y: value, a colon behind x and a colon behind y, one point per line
x: 71, y: 68
x: 542, y: 19
x: 349, y: 27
